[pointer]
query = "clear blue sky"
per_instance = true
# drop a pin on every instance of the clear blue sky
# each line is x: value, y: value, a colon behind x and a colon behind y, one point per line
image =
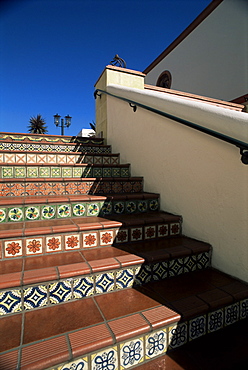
x: 53, y: 51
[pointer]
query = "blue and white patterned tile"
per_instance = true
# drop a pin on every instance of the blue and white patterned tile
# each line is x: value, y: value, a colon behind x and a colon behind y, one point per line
x: 155, y: 343
x: 231, y: 314
x: 160, y: 270
x: 203, y: 260
x: 35, y: 297
x: 105, y: 360
x: 105, y: 283
x: 83, y: 287
x: 79, y: 364
x: 176, y: 267
x: 144, y: 275
x: 34, y: 246
x: 178, y: 335
x: 78, y: 210
x: 10, y: 301
x: 243, y: 309
x: 197, y: 327
x: 131, y: 353
x: 216, y: 320
x: 60, y: 292
x: 124, y: 279
x: 190, y: 263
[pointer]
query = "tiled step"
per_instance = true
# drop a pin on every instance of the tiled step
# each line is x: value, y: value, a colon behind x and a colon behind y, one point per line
x: 166, y: 258
x: 70, y: 186
x: 44, y: 281
x: 37, y: 157
x: 13, y: 209
x: 54, y: 146
x: 207, y: 301
x: 119, y: 329
x: 126, y: 328
x: 54, y: 139
x: 82, y: 170
x: 50, y: 236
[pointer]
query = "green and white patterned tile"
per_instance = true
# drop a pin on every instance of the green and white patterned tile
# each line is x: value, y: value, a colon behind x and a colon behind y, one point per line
x: 97, y: 172
x: 78, y: 209
x: 64, y: 210
x: 55, y: 172
x: 7, y: 172
x: 77, y: 172
x: 93, y: 209
x: 87, y: 172
x: 48, y: 212
x: 20, y: 172
x: 107, y: 172
x: 3, y: 214
x: 32, y: 213
x: 44, y: 172
x: 116, y: 172
x: 125, y: 172
x: 66, y: 172
x: 32, y: 172
x: 15, y: 214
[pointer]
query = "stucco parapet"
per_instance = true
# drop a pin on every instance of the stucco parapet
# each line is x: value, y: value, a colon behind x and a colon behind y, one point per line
x: 205, y: 99
x: 122, y: 70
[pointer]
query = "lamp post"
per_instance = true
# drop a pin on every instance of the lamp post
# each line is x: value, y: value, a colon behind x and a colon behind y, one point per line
x: 66, y: 123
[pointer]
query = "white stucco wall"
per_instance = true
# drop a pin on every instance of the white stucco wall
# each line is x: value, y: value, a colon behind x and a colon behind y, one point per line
x: 197, y: 176
x: 212, y: 60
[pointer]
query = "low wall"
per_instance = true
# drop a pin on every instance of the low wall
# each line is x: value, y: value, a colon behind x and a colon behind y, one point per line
x: 197, y: 176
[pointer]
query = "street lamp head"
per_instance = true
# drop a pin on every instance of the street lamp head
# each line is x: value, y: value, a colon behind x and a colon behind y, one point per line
x: 68, y: 120
x: 56, y: 119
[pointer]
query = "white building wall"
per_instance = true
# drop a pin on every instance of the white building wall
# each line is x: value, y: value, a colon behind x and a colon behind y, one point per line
x: 196, y: 175
x: 212, y: 60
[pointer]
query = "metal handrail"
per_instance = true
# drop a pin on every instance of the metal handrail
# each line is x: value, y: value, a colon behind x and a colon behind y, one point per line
x: 243, y: 146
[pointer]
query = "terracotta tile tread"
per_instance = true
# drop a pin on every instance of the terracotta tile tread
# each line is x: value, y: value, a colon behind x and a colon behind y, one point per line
x: 5, y: 201
x: 64, y: 265
x: 58, y: 225
x: 89, y: 330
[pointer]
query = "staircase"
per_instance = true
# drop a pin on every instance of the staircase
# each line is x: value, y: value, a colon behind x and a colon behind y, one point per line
x: 94, y: 275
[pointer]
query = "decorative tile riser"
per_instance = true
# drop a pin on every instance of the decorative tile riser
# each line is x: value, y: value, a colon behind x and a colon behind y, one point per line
x: 29, y: 147
x: 18, y: 137
x: 79, y: 209
x: 31, y: 297
x: 210, y: 322
x: 38, y: 158
x: 125, y: 355
x: 140, y: 350
x: 23, y: 172
x: 39, y: 244
x: 168, y: 269
x: 73, y: 187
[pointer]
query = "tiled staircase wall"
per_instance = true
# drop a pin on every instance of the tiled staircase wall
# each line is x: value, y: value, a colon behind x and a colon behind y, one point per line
x: 77, y: 234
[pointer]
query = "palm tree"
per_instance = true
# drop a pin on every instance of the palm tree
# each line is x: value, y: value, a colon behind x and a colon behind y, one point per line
x: 37, y: 125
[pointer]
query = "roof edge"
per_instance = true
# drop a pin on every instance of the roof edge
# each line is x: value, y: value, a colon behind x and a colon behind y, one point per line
x: 203, y: 15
